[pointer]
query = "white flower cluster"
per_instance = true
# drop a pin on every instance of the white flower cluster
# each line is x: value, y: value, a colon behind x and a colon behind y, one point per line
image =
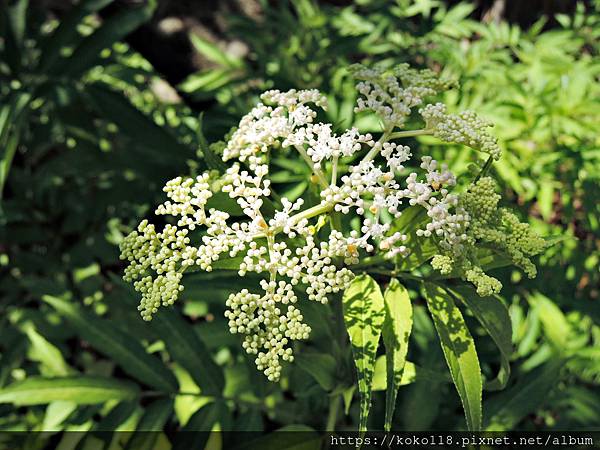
x: 392, y: 93
x: 464, y: 128
x: 293, y: 248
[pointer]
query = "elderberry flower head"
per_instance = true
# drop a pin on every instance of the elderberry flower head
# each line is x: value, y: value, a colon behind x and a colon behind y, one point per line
x: 307, y: 248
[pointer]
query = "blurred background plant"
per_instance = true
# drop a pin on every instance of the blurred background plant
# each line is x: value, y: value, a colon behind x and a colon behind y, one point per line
x: 100, y: 104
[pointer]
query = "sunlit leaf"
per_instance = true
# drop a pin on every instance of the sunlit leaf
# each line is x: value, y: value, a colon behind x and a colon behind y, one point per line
x: 493, y: 315
x: 153, y: 420
x: 396, y: 333
x: 46, y: 353
x: 113, y: 29
x: 459, y: 351
x: 67, y: 33
x: 82, y: 389
x: 196, y: 432
x: 364, y: 315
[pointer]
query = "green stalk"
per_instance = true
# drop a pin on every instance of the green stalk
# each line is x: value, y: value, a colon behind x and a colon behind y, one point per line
x: 373, y: 152
x: 334, y: 407
x: 318, y: 172
x: 484, y: 170
x: 410, y: 133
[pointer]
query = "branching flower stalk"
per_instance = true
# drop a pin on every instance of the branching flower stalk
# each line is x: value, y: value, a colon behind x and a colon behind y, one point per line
x: 293, y: 248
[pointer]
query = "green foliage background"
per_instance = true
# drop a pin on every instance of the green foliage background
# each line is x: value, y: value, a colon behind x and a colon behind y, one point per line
x: 86, y: 145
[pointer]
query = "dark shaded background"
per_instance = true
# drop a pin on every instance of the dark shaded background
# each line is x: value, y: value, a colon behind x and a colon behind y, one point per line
x: 165, y: 43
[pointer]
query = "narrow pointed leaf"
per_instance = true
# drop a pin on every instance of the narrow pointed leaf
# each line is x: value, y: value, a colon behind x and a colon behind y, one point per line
x: 112, y: 30
x: 363, y: 315
x: 493, y: 316
x: 396, y: 333
x: 83, y: 390
x: 214, y: 53
x: 213, y: 161
x: 141, y: 129
x: 46, y: 353
x: 554, y: 323
x: 67, y: 32
x: 11, y: 357
x: 187, y: 349
x: 320, y: 366
x: 508, y: 408
x: 154, y: 419
x: 459, y: 351
x: 122, y: 347
x: 18, y: 20
x: 196, y: 432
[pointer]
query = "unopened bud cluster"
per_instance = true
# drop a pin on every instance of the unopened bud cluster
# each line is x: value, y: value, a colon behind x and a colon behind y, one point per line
x: 310, y: 250
x: 490, y: 228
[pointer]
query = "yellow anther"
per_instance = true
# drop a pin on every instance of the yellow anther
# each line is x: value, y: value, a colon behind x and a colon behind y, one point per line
x: 373, y: 209
x: 314, y: 178
x: 262, y: 224
x: 352, y: 249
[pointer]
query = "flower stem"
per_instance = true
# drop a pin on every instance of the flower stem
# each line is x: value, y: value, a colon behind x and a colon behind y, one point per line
x: 306, y: 214
x: 484, y: 169
x: 410, y: 133
x: 334, y: 170
x: 373, y: 152
x: 318, y: 172
x: 334, y: 407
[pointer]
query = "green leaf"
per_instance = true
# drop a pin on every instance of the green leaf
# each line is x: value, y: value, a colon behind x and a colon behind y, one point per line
x: 411, y: 374
x: 12, y: 118
x: 67, y: 33
x: 290, y: 437
x: 421, y: 249
x: 154, y: 418
x: 122, y: 347
x: 321, y: 366
x: 214, y: 53
x: 213, y: 162
x: 158, y: 141
x: 203, y: 84
x: 546, y: 198
x: 12, y: 356
x: 83, y: 390
x: 223, y: 202
x: 364, y: 315
x: 397, y: 326
x: 18, y: 20
x: 46, y: 353
x: 116, y: 417
x: 493, y: 315
x: 56, y: 413
x: 112, y: 30
x: 459, y: 351
x: 187, y: 349
x: 228, y: 263
x: 196, y: 432
x: 508, y: 408
x: 11, y: 52
x: 554, y: 323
